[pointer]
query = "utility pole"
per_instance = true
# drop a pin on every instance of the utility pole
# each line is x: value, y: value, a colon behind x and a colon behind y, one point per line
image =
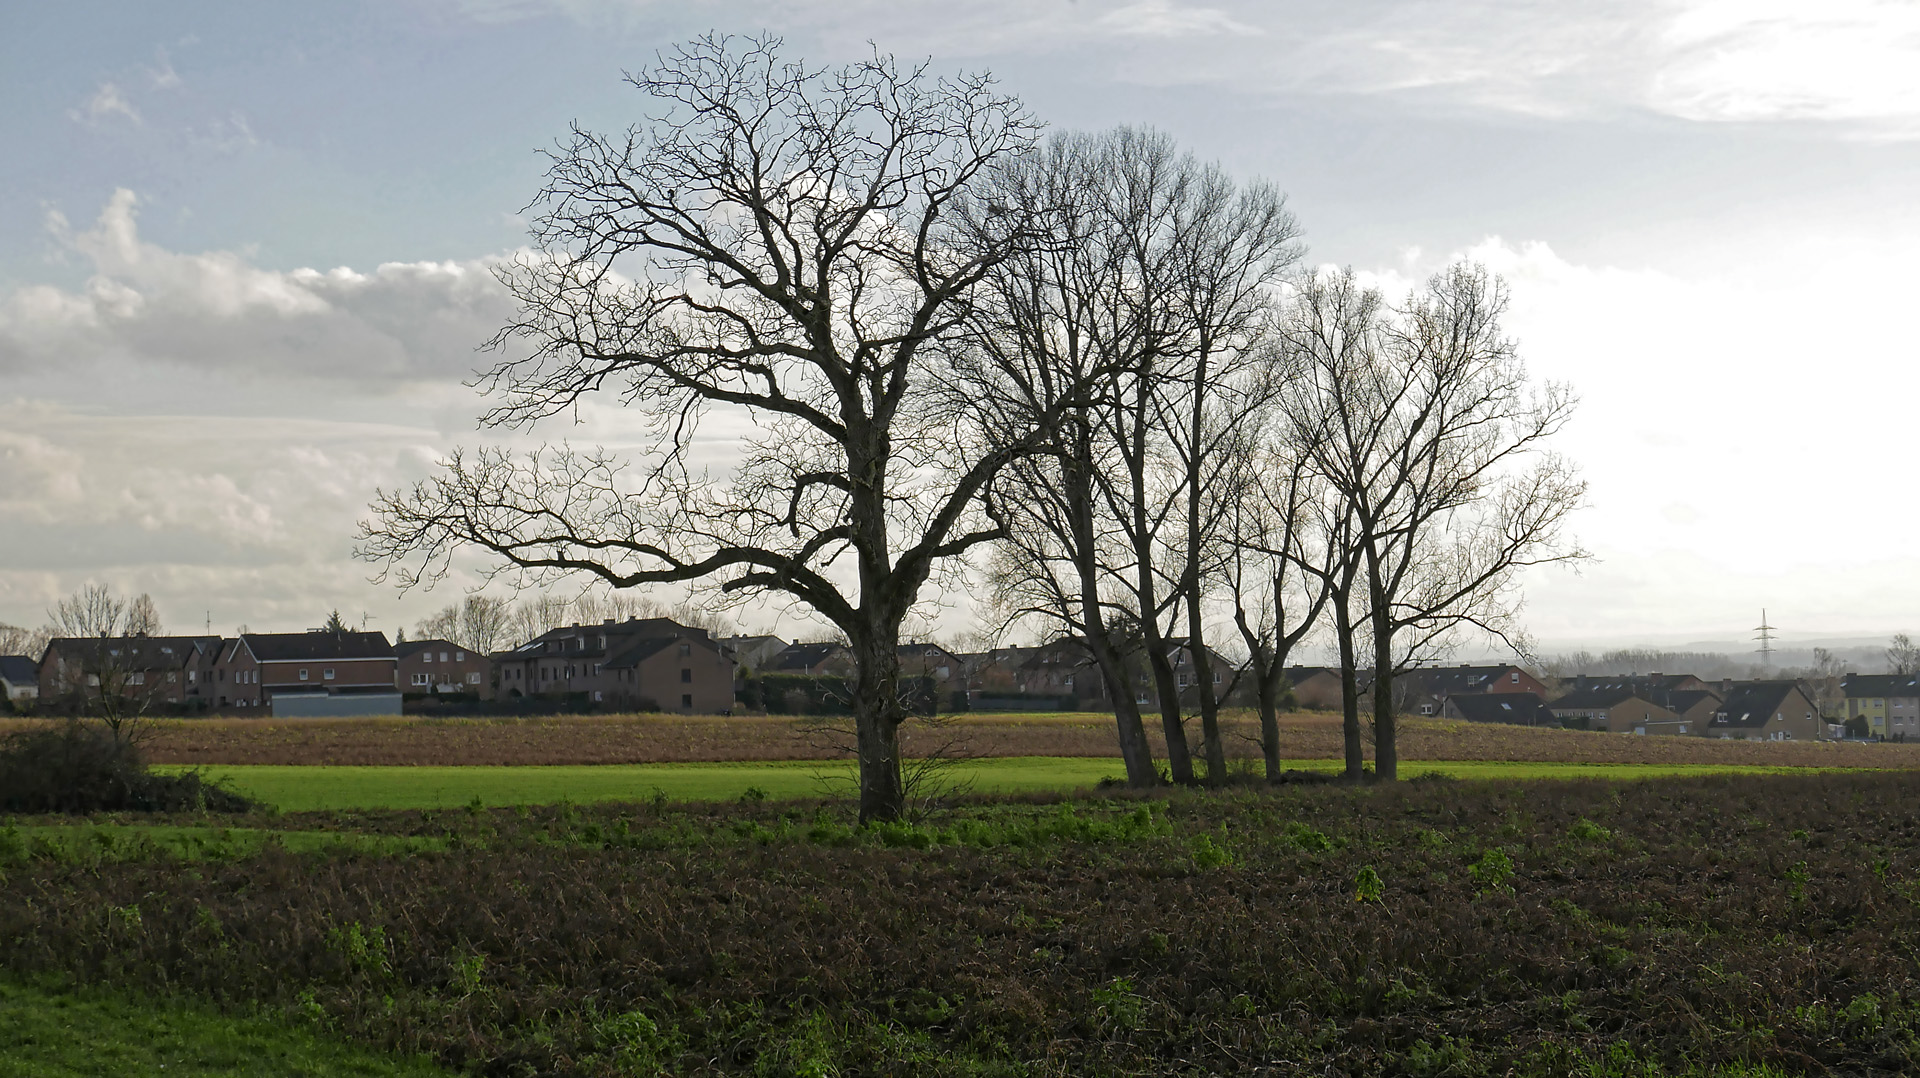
x: 1764, y: 634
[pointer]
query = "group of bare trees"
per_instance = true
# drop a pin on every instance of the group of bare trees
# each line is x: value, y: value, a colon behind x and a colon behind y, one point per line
x: 1089, y: 361
x: 485, y: 623
x: 1281, y: 452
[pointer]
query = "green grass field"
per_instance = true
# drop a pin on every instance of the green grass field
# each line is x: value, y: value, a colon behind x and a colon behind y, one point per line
x: 297, y: 789
x: 57, y: 1034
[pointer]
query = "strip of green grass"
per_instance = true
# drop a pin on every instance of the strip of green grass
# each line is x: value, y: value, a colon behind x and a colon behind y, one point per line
x: 111, y: 840
x: 299, y: 789
x: 52, y: 1034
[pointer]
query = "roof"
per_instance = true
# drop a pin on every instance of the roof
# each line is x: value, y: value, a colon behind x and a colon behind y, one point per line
x: 639, y: 651
x: 1686, y: 700
x: 1754, y: 704
x: 1517, y: 708
x: 288, y: 647
x: 1298, y: 674
x: 137, y: 652
x: 616, y: 635
x: 918, y: 648
x: 407, y: 647
x: 19, y: 670
x: 1447, y: 680
x: 1594, y: 699
x: 1859, y: 685
x: 803, y: 656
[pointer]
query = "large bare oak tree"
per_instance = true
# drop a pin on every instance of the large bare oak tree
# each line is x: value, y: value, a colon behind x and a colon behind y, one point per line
x: 797, y: 243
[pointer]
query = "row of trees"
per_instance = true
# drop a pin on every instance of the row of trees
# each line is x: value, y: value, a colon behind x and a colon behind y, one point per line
x: 1088, y: 362
x: 485, y: 624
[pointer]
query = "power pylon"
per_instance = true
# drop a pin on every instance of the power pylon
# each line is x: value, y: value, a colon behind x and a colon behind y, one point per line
x: 1764, y: 633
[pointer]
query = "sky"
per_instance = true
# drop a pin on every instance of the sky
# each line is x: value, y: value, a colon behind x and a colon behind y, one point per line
x: 245, y: 258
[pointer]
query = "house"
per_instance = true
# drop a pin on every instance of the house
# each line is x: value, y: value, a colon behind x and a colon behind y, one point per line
x: 641, y: 663
x: 440, y: 667
x: 1890, y: 703
x: 1767, y: 711
x: 1423, y: 690
x: 996, y: 670
x: 826, y: 657
x: 1065, y: 668
x: 147, y: 672
x: 1686, y: 696
x: 918, y: 659
x: 1620, y: 709
x: 1316, y: 688
x: 308, y: 675
x: 1513, y: 708
x: 19, y: 679
x: 750, y: 653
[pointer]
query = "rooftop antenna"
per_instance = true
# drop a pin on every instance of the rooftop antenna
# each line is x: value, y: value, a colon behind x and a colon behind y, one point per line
x: 1764, y: 634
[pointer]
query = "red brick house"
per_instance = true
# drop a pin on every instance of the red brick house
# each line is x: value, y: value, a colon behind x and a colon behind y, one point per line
x: 643, y: 664
x: 149, y: 673
x: 440, y: 667
x: 310, y: 674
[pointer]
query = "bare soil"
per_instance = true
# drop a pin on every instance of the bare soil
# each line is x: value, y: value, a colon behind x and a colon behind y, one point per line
x: 633, y: 739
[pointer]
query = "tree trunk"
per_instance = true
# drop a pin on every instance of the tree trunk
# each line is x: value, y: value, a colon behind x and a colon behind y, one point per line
x: 877, y: 715
x: 1135, y: 750
x: 1267, y: 685
x: 1386, y: 757
x: 1349, y: 688
x: 1210, y: 740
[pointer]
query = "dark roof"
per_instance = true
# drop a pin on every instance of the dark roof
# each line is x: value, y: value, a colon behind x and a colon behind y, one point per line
x: 281, y: 647
x: 641, y: 650
x: 918, y: 648
x: 407, y: 647
x: 1447, y: 680
x: 803, y: 656
x: 1859, y: 685
x: 617, y: 634
x: 1753, y: 704
x: 1298, y: 674
x: 140, y: 652
x: 19, y: 669
x: 1517, y: 708
x: 1594, y: 699
x: 1684, y: 700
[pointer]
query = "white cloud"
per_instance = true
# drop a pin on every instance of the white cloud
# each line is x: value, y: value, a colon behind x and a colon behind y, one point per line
x: 217, y: 310
x: 107, y: 102
x: 1161, y: 19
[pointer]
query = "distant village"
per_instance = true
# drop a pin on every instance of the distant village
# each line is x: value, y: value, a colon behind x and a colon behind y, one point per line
x: 661, y: 664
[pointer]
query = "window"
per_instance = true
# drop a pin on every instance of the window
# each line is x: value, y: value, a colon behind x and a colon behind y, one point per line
x: 686, y: 649
x: 419, y: 679
x: 327, y: 674
x: 190, y: 676
x: 596, y: 696
x: 426, y: 656
x: 172, y: 677
x: 686, y: 675
x: 1516, y: 677
x: 137, y: 679
x: 460, y: 656
x: 1426, y: 709
x: 473, y: 677
x: 686, y: 700
x: 303, y: 673
x: 443, y: 656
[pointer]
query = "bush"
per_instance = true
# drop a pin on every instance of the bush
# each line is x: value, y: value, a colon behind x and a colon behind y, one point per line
x: 77, y: 767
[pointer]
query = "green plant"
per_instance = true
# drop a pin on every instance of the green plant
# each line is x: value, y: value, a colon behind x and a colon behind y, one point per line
x: 1368, y: 886
x: 1492, y: 871
x: 1209, y: 854
x: 1585, y: 830
x: 1116, y: 1005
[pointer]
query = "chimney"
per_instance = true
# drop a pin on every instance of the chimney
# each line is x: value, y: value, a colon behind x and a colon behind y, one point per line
x: 1726, y: 687
x: 608, y: 621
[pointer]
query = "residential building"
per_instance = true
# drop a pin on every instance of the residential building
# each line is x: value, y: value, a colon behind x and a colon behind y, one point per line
x: 1423, y: 690
x: 1316, y: 688
x: 750, y: 653
x: 652, y: 664
x: 1890, y: 703
x: 1512, y: 708
x: 996, y: 670
x: 1621, y: 709
x: 315, y: 673
x: 149, y: 672
x: 927, y: 659
x: 1767, y: 711
x: 19, y: 679
x: 442, y: 667
x: 825, y: 657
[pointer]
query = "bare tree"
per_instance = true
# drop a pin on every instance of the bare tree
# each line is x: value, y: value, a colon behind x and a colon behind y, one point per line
x: 1434, y: 439
x: 92, y: 611
x: 797, y: 243
x: 143, y: 618
x: 1903, y: 656
x: 483, y: 623
x: 15, y: 640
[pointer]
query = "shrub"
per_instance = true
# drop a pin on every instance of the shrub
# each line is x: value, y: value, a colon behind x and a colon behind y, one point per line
x: 77, y: 767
